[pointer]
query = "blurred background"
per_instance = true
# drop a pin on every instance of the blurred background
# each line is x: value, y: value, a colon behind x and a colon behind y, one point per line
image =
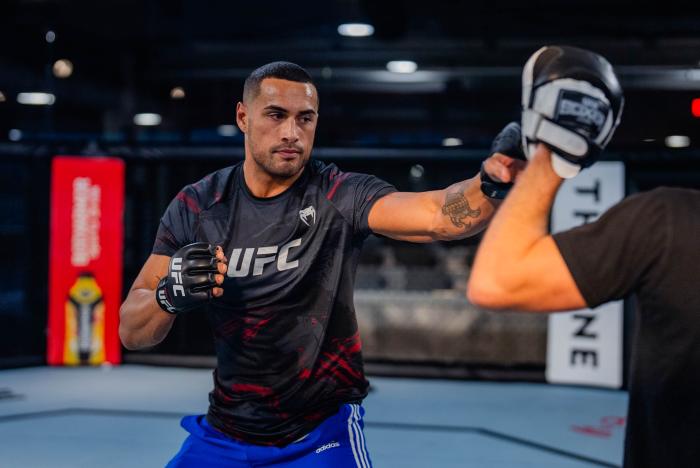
x: 410, y: 91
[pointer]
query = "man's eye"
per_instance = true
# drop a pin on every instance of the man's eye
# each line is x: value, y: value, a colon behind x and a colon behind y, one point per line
x: 276, y: 115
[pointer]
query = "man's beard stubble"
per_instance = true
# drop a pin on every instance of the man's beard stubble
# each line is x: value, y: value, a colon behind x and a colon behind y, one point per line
x: 278, y: 168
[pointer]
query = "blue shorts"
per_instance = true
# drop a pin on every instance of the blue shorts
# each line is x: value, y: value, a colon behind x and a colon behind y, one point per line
x: 338, y: 442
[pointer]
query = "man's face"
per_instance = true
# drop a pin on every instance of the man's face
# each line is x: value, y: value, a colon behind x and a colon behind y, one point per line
x: 279, y: 125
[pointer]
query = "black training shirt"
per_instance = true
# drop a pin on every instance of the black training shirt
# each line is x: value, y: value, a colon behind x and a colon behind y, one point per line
x: 287, y: 344
x: 649, y: 245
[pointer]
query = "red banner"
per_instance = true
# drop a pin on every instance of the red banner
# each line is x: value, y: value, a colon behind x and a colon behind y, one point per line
x: 85, y: 260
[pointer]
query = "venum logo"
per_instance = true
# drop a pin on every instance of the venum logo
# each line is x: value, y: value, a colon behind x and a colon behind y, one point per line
x: 263, y: 256
x: 308, y: 215
x: 330, y: 445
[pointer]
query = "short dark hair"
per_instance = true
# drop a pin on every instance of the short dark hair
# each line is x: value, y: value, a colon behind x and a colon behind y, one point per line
x: 282, y: 70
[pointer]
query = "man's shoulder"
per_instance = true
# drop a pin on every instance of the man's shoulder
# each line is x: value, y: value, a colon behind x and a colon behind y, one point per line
x: 320, y: 170
x: 324, y: 175
x: 673, y: 193
x: 666, y: 198
x: 211, y: 189
x: 330, y: 176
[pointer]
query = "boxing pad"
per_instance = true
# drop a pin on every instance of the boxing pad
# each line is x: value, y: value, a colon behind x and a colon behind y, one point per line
x: 572, y: 102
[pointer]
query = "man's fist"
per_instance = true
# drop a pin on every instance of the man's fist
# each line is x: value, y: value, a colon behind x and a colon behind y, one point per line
x: 507, y: 160
x: 194, y: 274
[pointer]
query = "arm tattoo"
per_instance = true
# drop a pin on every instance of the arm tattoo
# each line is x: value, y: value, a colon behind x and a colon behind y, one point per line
x: 457, y: 208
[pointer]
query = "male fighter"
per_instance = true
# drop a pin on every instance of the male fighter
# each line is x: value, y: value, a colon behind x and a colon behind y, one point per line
x: 647, y: 246
x: 267, y: 249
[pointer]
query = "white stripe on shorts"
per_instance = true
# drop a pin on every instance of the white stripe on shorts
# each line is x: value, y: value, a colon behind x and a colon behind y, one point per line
x: 363, y: 445
x: 351, y: 437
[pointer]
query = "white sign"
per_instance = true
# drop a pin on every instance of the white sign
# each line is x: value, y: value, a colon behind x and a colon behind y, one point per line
x: 585, y: 346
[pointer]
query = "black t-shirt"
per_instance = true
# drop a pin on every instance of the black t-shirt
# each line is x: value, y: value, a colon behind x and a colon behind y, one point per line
x: 287, y: 344
x: 649, y: 244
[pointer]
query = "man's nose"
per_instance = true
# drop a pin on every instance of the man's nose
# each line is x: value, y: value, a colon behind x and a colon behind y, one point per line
x: 290, y: 131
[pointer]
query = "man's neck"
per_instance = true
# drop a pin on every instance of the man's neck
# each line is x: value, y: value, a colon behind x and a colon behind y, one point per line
x: 263, y: 185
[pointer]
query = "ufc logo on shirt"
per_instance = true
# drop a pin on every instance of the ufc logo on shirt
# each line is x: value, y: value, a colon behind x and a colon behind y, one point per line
x: 263, y: 256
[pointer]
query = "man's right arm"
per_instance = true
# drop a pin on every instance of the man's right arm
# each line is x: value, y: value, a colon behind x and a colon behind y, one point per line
x: 185, y: 281
x: 142, y: 322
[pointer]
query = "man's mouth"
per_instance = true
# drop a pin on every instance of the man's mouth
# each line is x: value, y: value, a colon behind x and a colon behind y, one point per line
x: 288, y: 153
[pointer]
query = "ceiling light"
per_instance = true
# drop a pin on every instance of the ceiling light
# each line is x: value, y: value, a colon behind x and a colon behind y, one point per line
x: 451, y: 141
x: 177, y: 92
x: 227, y: 130
x: 36, y: 99
x: 14, y: 134
x: 402, y: 66
x: 649, y: 140
x: 63, y: 68
x: 50, y: 37
x: 677, y: 141
x: 355, y: 29
x: 2, y: 97
x: 417, y: 171
x: 147, y: 119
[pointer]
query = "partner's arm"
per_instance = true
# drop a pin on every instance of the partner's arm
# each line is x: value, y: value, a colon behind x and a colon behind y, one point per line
x: 518, y: 264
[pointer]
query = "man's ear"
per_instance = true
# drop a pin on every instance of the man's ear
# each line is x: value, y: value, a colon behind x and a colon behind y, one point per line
x: 242, y: 117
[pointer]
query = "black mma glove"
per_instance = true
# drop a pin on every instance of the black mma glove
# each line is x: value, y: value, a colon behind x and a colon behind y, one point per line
x: 509, y: 143
x: 190, y: 278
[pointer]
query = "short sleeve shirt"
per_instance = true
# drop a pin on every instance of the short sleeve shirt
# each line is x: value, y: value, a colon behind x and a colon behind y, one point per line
x: 649, y: 245
x: 287, y: 343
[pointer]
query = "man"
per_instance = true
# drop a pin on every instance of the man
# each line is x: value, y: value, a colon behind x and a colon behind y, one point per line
x: 647, y: 246
x: 289, y: 376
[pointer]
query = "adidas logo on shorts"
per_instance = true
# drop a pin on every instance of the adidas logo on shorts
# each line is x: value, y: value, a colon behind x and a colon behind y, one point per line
x: 330, y: 445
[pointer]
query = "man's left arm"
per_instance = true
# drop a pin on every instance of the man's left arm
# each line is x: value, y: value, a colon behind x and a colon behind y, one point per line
x: 458, y: 211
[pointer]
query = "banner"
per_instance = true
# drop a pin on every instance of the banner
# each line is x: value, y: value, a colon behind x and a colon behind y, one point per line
x: 586, y: 346
x: 85, y: 260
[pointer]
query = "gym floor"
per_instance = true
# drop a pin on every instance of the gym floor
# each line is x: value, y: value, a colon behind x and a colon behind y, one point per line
x: 128, y: 416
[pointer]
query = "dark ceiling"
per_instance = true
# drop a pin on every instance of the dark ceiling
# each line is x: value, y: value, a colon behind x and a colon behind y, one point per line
x: 129, y: 54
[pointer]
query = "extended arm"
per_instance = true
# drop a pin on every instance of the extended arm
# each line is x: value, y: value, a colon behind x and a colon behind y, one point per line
x: 461, y: 210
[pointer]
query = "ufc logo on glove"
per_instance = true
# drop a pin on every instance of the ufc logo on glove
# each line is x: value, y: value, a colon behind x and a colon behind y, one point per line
x: 190, y: 279
x: 176, y: 273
